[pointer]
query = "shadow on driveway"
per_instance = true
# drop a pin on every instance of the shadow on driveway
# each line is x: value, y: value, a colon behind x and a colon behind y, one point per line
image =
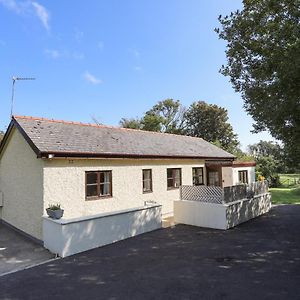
x: 259, y: 259
x: 18, y: 252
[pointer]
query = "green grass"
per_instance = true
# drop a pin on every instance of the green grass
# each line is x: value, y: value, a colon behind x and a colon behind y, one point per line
x: 285, y: 195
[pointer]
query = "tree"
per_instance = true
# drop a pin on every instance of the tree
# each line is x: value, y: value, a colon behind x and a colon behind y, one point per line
x: 131, y: 123
x: 210, y: 122
x: 263, y: 63
x: 170, y: 114
x: 266, y: 148
x: 207, y: 121
x: 268, y: 167
x: 270, y: 160
x: 165, y: 116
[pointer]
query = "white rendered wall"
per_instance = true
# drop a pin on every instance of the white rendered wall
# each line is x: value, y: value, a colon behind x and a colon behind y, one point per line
x: 64, y: 182
x: 67, y: 237
x: 241, y: 211
x: 21, y: 182
x: 251, y: 174
x: 200, y: 214
x: 220, y: 216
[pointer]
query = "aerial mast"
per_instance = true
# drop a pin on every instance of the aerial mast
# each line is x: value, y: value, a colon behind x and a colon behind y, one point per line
x: 14, y: 79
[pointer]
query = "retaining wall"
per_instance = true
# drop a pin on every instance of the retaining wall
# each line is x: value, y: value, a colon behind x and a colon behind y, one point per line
x: 220, y: 216
x: 67, y: 237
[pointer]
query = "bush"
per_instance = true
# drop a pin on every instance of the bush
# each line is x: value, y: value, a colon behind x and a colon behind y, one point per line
x: 274, y: 181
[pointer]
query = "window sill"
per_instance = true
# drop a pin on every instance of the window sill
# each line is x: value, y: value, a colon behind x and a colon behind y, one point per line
x: 147, y: 192
x: 172, y: 188
x: 97, y: 198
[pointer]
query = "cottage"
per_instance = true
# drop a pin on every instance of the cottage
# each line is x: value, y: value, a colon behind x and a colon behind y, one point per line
x: 91, y: 169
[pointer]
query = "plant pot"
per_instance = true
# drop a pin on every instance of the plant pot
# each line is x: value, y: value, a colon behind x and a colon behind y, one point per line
x: 55, y: 214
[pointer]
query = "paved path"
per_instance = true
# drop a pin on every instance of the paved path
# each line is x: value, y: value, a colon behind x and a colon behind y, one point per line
x: 18, y: 252
x: 259, y: 259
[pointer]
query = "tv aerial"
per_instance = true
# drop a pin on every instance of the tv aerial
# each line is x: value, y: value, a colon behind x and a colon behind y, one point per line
x: 14, y: 79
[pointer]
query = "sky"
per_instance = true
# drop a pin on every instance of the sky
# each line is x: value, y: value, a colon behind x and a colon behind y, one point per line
x: 113, y: 59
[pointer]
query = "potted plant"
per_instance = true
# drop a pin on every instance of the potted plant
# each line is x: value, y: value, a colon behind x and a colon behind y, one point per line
x: 54, y: 211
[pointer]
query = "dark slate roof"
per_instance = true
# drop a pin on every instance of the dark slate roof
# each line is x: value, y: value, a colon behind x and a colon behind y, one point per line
x: 71, y: 139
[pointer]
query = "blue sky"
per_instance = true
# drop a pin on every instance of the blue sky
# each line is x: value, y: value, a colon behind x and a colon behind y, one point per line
x: 112, y: 59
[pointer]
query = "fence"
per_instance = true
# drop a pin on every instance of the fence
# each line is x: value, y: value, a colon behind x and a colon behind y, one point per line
x: 218, y: 195
x: 211, y: 194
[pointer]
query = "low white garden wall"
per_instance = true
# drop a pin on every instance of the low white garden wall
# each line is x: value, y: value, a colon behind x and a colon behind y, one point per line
x: 220, y: 216
x: 67, y: 237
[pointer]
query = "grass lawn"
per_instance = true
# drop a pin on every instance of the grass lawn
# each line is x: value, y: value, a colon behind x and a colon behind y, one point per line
x: 285, y: 195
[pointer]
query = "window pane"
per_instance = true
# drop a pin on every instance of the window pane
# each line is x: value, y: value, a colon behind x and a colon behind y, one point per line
x: 177, y: 182
x: 105, y: 177
x: 197, y: 176
x: 91, y: 190
x: 170, y: 182
x: 147, y: 186
x: 91, y: 177
x: 170, y: 173
x: 243, y: 176
x: 146, y: 174
x: 176, y: 173
x: 196, y: 181
x: 213, y: 178
x: 104, y: 189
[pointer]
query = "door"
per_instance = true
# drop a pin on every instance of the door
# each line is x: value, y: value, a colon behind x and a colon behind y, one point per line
x: 214, y: 176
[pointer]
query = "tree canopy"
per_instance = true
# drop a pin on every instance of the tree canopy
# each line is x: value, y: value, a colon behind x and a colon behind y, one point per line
x: 210, y: 122
x: 165, y: 116
x: 207, y: 121
x: 263, y: 63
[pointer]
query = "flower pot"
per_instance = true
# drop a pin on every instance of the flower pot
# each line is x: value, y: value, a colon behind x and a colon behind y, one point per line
x: 55, y: 214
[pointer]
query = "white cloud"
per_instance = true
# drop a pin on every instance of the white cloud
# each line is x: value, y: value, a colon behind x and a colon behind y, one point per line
x: 91, y: 78
x: 52, y: 53
x: 42, y: 13
x: 27, y: 8
x: 13, y: 5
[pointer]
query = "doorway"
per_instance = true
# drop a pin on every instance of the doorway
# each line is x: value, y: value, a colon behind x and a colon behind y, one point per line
x: 214, y: 176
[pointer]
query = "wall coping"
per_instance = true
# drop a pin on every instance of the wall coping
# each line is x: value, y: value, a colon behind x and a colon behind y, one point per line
x: 99, y: 216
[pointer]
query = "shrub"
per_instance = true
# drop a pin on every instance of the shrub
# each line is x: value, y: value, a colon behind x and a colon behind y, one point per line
x: 54, y: 206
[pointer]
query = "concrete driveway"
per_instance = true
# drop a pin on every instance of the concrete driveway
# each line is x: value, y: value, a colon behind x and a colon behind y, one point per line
x: 259, y: 259
x: 18, y: 252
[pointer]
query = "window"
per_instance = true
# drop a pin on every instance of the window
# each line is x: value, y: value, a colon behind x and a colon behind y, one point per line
x: 98, y: 184
x: 173, y: 178
x: 147, y: 181
x: 198, y: 176
x: 243, y: 176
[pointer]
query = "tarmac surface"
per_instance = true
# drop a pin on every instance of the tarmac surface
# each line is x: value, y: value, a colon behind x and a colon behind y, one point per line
x: 18, y: 252
x: 259, y: 259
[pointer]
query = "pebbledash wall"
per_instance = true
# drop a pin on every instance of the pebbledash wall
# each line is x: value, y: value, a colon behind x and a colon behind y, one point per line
x: 29, y: 185
x: 64, y: 182
x: 21, y: 186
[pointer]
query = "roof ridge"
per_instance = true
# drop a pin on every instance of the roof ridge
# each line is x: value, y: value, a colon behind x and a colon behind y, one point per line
x: 100, y: 126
